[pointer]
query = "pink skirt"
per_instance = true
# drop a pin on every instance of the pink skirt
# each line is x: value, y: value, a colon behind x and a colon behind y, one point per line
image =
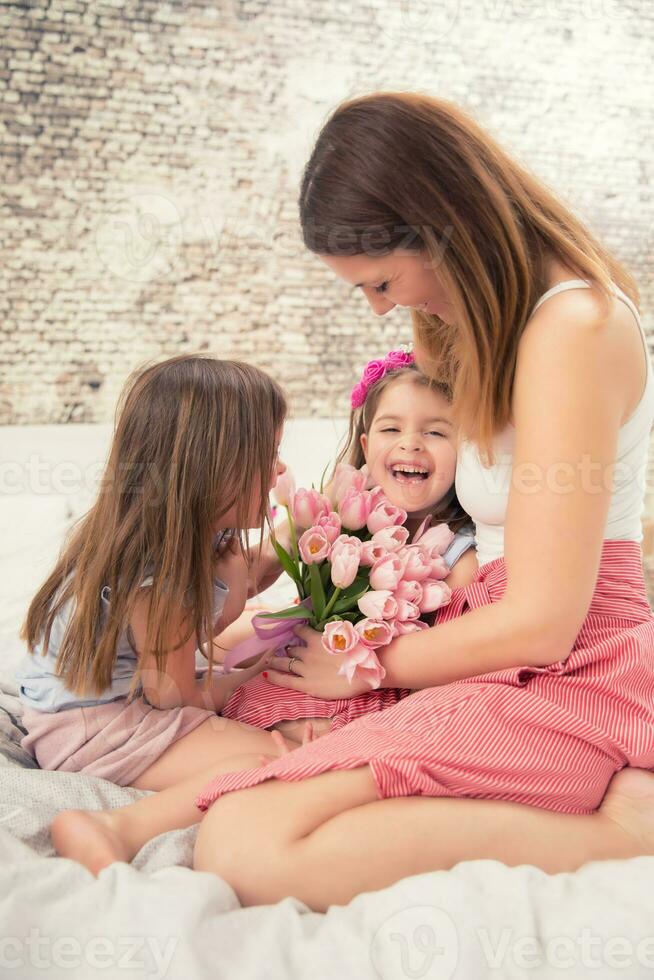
x: 550, y: 737
x: 115, y: 741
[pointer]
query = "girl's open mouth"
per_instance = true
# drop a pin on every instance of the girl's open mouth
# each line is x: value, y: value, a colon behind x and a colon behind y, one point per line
x: 408, y: 473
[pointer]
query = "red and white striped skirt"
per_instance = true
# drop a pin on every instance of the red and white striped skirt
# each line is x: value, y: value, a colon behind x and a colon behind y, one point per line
x: 547, y: 736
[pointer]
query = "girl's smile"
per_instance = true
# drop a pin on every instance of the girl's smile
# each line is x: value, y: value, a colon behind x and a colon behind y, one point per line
x: 410, y: 448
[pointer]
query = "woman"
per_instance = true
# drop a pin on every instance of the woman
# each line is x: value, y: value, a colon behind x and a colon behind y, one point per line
x: 536, y: 684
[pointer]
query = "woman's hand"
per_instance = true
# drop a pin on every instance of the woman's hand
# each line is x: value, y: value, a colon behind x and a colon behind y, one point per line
x: 315, y: 672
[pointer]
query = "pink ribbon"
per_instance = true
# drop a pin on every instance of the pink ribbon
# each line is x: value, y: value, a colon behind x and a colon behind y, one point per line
x: 270, y: 633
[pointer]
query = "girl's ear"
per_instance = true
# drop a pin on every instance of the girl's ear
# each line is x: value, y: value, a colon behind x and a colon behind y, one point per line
x: 363, y: 438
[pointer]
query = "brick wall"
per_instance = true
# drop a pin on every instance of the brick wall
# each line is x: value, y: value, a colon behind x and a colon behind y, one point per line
x: 151, y: 153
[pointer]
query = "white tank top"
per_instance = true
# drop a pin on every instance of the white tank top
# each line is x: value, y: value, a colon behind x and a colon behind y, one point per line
x: 484, y: 491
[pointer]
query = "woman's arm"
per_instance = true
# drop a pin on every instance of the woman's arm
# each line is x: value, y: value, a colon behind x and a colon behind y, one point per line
x: 568, y: 404
x: 464, y: 570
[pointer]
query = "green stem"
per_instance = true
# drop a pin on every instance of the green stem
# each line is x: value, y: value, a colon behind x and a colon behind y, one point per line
x: 291, y: 527
x: 330, y: 604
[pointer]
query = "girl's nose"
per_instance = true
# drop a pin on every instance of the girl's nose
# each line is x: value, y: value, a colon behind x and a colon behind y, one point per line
x: 411, y: 442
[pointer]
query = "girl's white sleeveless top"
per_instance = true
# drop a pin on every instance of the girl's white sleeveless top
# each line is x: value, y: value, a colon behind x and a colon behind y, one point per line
x: 484, y: 491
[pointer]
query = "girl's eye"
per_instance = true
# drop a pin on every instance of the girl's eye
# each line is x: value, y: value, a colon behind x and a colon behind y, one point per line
x: 436, y: 434
x: 382, y: 287
x: 391, y: 429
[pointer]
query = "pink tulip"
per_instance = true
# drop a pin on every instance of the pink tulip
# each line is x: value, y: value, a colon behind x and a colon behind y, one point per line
x: 409, y: 590
x: 309, y: 506
x: 387, y: 572
x: 377, y: 496
x: 314, y: 546
x: 417, y: 563
x: 345, y: 565
x: 434, y: 595
x: 435, y: 539
x: 348, y: 539
x: 346, y: 478
x: 284, y: 490
x: 363, y: 661
x: 378, y: 605
x: 385, y: 515
x: 374, y: 632
x: 406, y: 610
x: 402, y: 629
x: 331, y: 525
x: 354, y: 509
x: 391, y: 538
x: 371, y: 552
x: 340, y: 637
x: 439, y: 568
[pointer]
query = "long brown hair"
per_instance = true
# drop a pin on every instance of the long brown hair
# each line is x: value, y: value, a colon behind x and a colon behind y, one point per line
x: 403, y: 170
x: 448, y: 510
x: 194, y: 437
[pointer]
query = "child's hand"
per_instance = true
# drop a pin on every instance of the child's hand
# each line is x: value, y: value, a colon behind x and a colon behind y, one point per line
x: 282, y: 747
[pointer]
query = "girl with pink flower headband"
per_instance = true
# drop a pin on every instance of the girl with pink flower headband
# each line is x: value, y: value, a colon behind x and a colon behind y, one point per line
x: 401, y: 439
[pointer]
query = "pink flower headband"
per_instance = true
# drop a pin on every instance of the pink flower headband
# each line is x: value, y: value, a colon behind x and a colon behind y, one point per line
x: 375, y: 370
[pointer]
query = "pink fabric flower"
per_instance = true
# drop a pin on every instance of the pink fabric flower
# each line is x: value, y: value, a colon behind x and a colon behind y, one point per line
x: 399, y: 359
x: 371, y: 552
x: 314, y: 546
x: 374, y: 632
x: 435, y: 539
x: 387, y: 572
x: 373, y: 372
x: 385, y: 515
x: 308, y: 506
x: 284, y: 490
x: 358, y: 396
x: 409, y: 590
x: 340, y: 637
x: 331, y: 525
x: 417, y: 563
x: 379, y: 604
x: 354, y: 509
x: 434, y: 595
x: 391, y: 538
x: 345, y: 565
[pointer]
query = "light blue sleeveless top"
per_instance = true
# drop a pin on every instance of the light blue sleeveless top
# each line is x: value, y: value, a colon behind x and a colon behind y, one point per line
x: 41, y: 689
x: 463, y: 539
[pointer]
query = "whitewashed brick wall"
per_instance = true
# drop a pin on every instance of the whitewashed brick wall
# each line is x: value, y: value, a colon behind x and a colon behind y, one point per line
x: 151, y: 153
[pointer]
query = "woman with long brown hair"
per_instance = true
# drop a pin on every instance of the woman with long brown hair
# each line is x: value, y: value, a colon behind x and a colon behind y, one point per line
x: 535, y: 686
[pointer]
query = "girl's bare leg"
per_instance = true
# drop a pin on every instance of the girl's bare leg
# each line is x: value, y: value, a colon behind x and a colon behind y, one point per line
x: 100, y: 837
x: 334, y: 825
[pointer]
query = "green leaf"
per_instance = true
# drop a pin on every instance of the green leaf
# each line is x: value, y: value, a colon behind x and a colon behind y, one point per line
x: 287, y: 562
x: 325, y: 573
x: 317, y: 592
x: 293, y: 612
x: 358, y: 587
x: 344, y: 605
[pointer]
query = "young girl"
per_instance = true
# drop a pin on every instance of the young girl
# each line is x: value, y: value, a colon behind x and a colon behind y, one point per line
x: 400, y: 427
x: 158, y: 567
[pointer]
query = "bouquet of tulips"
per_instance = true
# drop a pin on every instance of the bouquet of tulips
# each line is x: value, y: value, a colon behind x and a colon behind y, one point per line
x: 360, y: 581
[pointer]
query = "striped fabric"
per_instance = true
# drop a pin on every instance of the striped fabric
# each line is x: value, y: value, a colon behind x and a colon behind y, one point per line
x: 547, y: 736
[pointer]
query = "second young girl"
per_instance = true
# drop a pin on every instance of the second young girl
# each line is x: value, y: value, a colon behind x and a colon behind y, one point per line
x: 157, y: 568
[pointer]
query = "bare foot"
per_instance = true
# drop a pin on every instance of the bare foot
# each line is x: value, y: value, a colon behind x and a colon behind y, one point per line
x: 629, y: 802
x: 90, y: 837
